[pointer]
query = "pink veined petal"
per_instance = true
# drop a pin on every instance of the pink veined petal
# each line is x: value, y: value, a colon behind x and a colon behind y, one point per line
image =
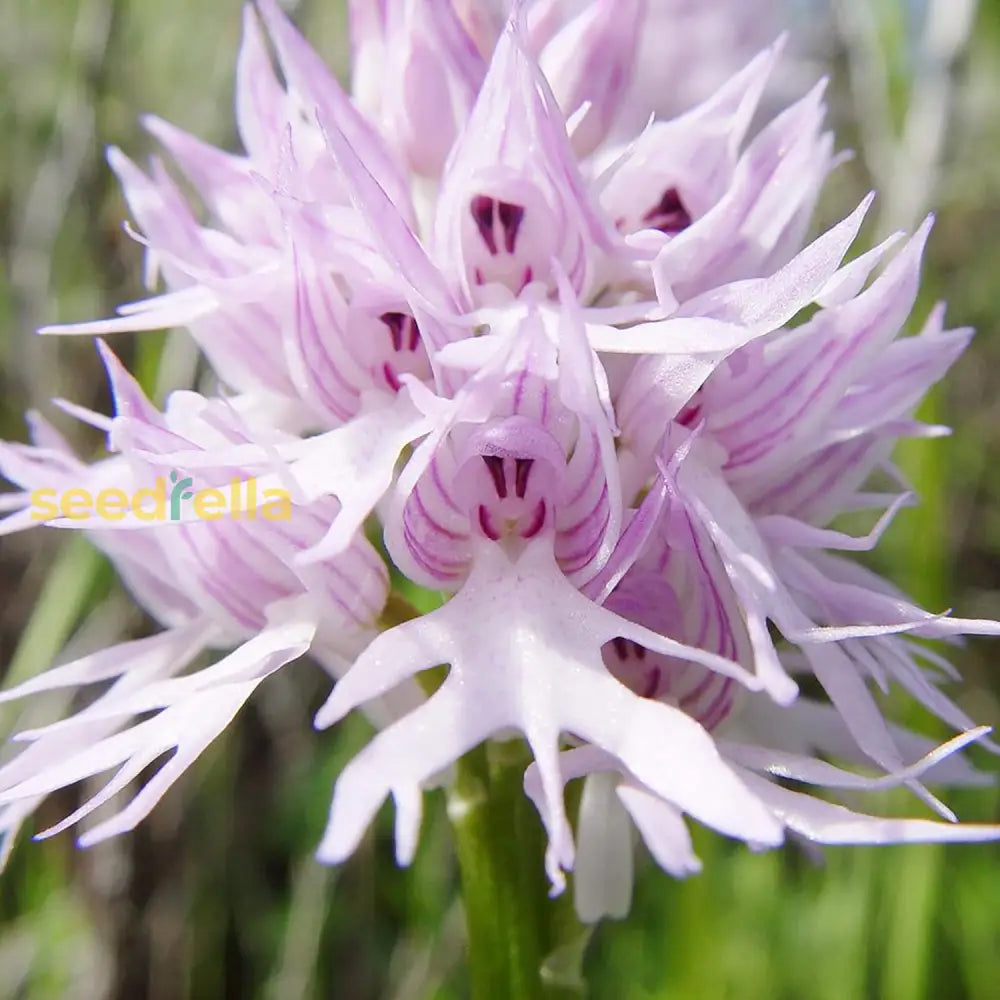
x: 890, y: 654
x: 185, y: 726
x: 826, y: 576
x: 254, y: 660
x: 774, y: 184
x: 320, y: 363
x: 320, y: 93
x: 825, y: 823
x: 785, y: 530
x: 764, y: 596
x: 55, y: 468
x: 766, y: 418
x: 159, y: 313
x: 353, y: 463
x: 166, y: 219
x: 851, y: 278
x: 393, y: 234
x: 767, y: 303
x: 428, y: 534
x: 659, y: 387
x: 759, y: 590
x: 822, y: 485
x: 367, y: 28
x: 175, y: 645
x: 896, y: 382
x: 781, y: 764
x: 912, y: 679
x: 751, y: 567
x: 633, y: 541
x: 849, y: 693
x: 579, y: 390
x: 429, y: 81
x: 129, y: 399
x: 810, y: 728
x: 237, y: 566
x: 262, y: 106
x: 653, y: 395
x: 679, y: 335
x: 792, y: 156
x: 590, y: 60
x: 224, y: 181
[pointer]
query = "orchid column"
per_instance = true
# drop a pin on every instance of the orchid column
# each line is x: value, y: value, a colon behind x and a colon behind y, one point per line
x: 584, y: 392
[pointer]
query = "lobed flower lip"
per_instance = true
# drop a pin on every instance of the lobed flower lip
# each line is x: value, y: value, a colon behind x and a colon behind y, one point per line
x: 612, y: 797
x: 557, y: 359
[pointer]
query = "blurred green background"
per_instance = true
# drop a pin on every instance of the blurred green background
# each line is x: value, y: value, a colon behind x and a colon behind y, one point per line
x: 217, y: 895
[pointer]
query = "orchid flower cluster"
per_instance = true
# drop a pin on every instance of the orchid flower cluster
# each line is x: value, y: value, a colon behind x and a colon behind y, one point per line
x: 572, y: 370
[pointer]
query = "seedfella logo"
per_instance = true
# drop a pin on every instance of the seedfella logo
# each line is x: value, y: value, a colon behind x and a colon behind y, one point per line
x: 242, y: 500
x: 178, y: 493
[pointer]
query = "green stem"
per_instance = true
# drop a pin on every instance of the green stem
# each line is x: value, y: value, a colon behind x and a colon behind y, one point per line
x: 518, y: 939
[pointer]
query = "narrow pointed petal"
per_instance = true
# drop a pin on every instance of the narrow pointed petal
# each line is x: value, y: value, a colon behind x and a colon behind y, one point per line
x: 825, y: 823
x: 590, y: 60
x: 176, y: 646
x: 321, y: 95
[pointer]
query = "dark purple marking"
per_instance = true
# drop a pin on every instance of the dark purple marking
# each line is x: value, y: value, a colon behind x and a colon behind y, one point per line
x: 537, y: 522
x: 390, y: 377
x: 395, y: 321
x: 414, y: 333
x: 484, y: 522
x: 669, y: 214
x: 511, y: 217
x: 522, y: 469
x: 495, y: 466
x: 652, y: 683
x: 482, y: 214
